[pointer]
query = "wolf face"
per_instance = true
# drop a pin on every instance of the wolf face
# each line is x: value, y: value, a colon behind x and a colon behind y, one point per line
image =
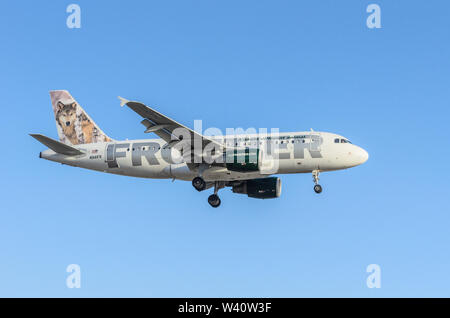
x: 66, y: 116
x: 74, y: 125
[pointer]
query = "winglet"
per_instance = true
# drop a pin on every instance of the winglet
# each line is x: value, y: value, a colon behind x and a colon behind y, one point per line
x: 123, y: 101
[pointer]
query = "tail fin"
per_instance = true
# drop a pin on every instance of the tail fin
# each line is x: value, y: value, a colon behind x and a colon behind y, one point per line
x: 73, y: 124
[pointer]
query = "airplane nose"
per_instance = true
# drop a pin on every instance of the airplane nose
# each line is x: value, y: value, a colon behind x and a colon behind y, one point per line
x: 363, y: 156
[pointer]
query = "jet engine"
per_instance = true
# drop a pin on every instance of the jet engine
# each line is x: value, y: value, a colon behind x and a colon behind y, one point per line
x: 264, y: 188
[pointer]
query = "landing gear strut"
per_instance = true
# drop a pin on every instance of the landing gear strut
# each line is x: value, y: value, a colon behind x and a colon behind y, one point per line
x: 214, y: 199
x: 317, y: 186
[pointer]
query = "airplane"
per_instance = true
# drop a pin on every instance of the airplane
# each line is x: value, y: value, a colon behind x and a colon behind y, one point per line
x: 245, y: 162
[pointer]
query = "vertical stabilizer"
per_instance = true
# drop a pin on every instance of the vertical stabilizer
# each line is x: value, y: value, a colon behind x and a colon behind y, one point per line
x: 74, y: 125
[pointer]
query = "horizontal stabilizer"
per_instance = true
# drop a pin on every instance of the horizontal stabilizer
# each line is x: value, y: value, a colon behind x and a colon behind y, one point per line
x: 57, y: 146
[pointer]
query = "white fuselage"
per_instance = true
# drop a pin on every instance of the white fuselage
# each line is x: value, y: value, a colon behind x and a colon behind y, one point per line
x: 297, y: 152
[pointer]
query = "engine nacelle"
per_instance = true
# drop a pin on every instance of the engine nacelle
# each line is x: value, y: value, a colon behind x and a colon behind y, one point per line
x: 264, y: 188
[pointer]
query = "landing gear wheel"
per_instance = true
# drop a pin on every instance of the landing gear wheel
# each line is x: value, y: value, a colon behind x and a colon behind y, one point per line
x: 214, y: 200
x: 318, y: 188
x: 199, y: 184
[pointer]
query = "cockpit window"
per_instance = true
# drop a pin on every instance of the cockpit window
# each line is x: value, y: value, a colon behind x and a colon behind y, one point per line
x: 336, y: 141
x: 345, y: 141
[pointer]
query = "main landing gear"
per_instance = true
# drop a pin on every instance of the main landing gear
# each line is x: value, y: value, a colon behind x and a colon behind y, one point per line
x: 317, y: 186
x: 214, y: 199
x: 199, y: 184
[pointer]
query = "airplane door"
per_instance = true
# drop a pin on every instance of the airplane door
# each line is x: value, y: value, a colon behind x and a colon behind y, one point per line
x: 315, y: 142
x: 315, y: 146
x: 110, y: 160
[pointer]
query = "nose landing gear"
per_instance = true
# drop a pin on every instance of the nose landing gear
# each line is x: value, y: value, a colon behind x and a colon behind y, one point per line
x: 317, y: 186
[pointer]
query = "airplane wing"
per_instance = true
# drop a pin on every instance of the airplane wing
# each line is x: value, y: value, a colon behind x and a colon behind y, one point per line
x: 167, y: 129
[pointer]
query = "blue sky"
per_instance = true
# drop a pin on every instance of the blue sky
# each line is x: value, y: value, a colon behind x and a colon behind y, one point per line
x: 295, y: 65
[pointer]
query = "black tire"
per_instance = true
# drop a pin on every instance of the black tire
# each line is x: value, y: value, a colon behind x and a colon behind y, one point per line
x: 214, y: 200
x: 199, y: 184
x: 317, y: 188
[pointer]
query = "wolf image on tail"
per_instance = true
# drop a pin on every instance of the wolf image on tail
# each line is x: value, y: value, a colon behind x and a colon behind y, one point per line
x: 74, y: 125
